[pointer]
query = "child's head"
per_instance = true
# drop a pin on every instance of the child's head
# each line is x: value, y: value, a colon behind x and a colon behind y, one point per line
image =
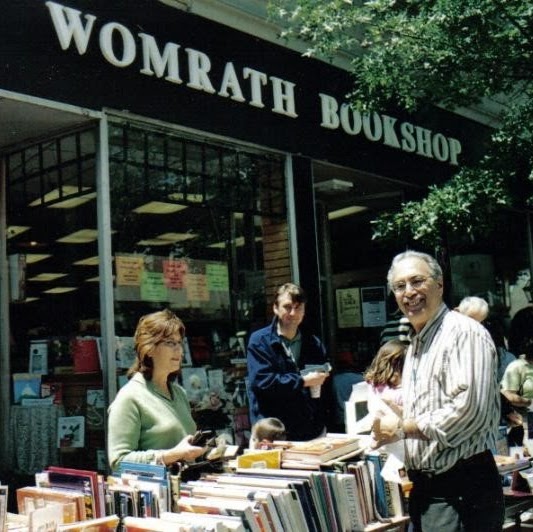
x: 268, y: 429
x: 387, y: 366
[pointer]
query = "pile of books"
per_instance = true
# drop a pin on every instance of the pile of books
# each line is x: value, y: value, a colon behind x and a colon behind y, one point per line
x: 141, y: 496
x: 66, y: 497
x: 320, y: 451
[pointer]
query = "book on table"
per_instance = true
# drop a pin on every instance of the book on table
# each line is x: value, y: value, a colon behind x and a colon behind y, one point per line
x: 108, y: 523
x: 508, y: 464
x: 183, y: 521
x: 30, y: 498
x: 202, y: 488
x: 320, y: 450
x: 218, y: 505
x: 260, y: 459
x: 86, y: 481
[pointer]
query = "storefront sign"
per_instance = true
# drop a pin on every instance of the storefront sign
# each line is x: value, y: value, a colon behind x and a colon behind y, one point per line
x: 180, y: 64
x: 157, y: 62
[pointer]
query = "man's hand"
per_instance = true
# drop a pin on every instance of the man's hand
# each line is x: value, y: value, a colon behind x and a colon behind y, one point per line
x: 385, y: 429
x: 315, y: 378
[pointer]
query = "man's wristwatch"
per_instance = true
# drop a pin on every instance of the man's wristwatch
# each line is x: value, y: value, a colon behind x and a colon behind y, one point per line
x: 400, y: 432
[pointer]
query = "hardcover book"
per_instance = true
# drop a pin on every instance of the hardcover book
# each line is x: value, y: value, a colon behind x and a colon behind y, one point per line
x: 260, y: 459
x: 222, y: 506
x: 31, y: 497
x: 26, y: 385
x: 85, y: 481
x: 54, y: 390
x: 46, y: 518
x: 320, y: 450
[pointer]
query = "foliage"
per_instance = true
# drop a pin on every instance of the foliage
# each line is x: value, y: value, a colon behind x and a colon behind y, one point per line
x: 453, y: 53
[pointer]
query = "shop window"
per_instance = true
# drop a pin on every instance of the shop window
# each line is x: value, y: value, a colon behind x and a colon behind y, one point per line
x: 188, y: 221
x: 54, y: 298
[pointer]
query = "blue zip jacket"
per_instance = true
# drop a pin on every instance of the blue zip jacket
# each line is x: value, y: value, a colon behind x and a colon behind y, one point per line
x: 275, y: 386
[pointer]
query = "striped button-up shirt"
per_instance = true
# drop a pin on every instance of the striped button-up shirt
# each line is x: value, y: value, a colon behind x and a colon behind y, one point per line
x: 451, y: 391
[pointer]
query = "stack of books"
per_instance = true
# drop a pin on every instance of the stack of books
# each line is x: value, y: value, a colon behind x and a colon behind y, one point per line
x: 320, y: 451
x: 140, y: 497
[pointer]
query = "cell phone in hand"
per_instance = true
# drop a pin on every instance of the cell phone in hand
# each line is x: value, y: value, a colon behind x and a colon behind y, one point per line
x: 201, y: 437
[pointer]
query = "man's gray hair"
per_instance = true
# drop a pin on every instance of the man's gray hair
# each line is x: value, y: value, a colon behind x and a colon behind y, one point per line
x: 434, y: 266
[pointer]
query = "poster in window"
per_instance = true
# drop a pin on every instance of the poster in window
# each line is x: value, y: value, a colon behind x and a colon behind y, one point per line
x: 153, y: 287
x: 197, y: 287
x: 125, y: 354
x: 348, y: 308
x: 129, y: 270
x: 374, y: 306
x: 217, y: 277
x: 95, y: 409
x: 175, y: 272
x: 195, y: 383
x: 39, y: 357
x: 71, y: 431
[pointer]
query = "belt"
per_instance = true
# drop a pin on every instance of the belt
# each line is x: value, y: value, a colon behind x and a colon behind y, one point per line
x: 457, y: 470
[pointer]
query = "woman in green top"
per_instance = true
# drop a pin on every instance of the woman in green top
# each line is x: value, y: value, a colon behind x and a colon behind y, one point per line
x: 150, y: 419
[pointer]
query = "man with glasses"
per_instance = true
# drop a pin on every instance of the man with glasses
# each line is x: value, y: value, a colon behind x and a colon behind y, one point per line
x: 276, y: 356
x: 451, y: 407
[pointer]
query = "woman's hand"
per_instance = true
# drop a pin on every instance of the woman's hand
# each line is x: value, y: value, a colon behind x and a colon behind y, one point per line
x: 184, y: 451
x: 515, y: 399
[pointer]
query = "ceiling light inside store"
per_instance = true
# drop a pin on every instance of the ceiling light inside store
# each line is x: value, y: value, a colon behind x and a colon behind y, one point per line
x: 176, y: 237
x: 30, y: 299
x: 47, y: 277
x: 159, y: 207
x: 60, y: 290
x: 239, y: 241
x: 67, y: 203
x: 90, y: 261
x: 93, y: 279
x: 334, y: 186
x: 32, y: 258
x: 83, y: 236
x: 192, y: 198
x: 15, y: 230
x: 166, y: 239
x: 346, y: 211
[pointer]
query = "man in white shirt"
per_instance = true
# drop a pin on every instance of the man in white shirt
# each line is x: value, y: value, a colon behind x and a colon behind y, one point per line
x: 451, y: 407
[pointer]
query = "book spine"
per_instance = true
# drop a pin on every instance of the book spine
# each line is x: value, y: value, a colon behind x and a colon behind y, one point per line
x: 380, y: 496
x: 353, y: 501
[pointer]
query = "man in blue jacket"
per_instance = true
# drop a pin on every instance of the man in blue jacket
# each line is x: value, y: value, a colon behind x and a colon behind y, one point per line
x: 276, y: 356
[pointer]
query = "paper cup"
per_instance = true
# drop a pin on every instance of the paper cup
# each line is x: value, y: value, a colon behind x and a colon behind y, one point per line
x: 315, y: 391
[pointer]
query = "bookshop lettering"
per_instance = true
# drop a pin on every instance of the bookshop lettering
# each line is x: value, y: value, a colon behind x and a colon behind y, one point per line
x: 193, y: 83
x: 72, y: 30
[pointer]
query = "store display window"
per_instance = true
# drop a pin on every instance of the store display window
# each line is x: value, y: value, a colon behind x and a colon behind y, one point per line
x: 187, y: 220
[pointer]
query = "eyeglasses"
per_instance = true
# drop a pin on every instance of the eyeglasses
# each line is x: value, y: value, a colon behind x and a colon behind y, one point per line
x: 415, y: 282
x: 171, y: 343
